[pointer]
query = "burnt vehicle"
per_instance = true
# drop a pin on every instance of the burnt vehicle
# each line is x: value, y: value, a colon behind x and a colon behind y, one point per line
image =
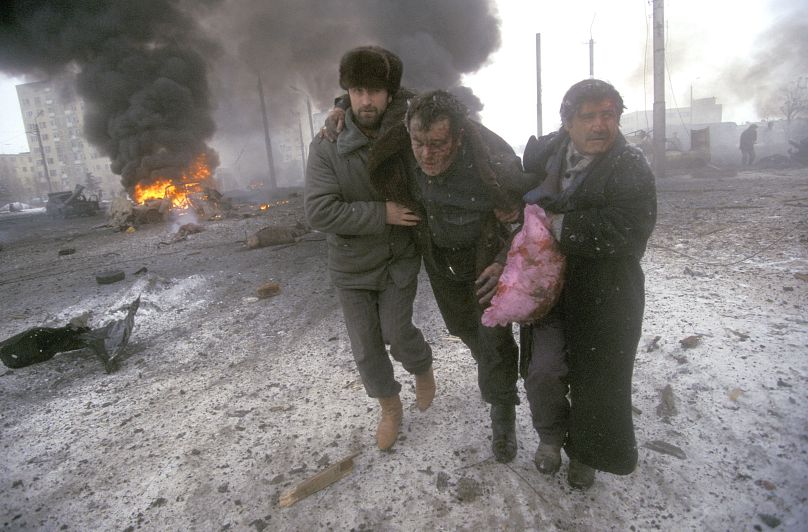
x: 73, y: 203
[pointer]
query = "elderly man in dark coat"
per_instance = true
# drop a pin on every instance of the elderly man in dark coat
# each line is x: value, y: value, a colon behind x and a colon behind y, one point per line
x: 601, y: 198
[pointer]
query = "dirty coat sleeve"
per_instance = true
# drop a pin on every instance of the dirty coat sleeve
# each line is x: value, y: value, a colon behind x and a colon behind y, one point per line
x: 616, y: 215
x: 335, y: 201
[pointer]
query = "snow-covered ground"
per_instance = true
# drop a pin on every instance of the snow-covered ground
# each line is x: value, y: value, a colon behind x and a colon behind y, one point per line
x: 226, y: 401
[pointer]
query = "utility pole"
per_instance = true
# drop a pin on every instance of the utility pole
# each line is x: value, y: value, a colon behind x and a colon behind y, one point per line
x: 302, y: 146
x: 591, y: 51
x: 42, y: 150
x: 270, y: 161
x: 538, y: 86
x: 659, y: 88
x: 308, y: 107
x: 691, y: 106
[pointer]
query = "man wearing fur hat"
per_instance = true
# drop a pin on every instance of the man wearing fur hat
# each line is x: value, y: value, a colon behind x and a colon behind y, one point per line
x: 372, y: 258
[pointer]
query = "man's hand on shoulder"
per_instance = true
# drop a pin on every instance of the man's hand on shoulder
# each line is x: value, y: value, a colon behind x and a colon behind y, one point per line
x: 397, y: 214
x: 334, y: 123
x: 486, y: 283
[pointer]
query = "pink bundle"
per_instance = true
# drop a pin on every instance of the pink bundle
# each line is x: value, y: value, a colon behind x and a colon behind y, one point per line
x: 533, y: 276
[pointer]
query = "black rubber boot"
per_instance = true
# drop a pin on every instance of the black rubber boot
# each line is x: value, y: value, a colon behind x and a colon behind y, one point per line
x: 503, y: 423
x: 580, y: 476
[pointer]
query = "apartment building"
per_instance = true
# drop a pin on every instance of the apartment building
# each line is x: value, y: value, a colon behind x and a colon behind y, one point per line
x: 17, y: 181
x: 53, y: 114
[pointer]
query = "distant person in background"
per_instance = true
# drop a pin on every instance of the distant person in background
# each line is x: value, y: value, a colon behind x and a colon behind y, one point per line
x: 748, y: 140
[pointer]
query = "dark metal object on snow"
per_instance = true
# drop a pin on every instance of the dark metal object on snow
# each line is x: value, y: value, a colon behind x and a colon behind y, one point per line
x: 112, y: 276
x: 108, y: 342
x: 40, y: 344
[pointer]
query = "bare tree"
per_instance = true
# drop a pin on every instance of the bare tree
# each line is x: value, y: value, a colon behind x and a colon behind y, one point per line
x: 795, y: 99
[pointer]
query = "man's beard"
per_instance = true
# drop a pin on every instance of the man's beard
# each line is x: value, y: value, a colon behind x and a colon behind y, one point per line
x: 368, y: 120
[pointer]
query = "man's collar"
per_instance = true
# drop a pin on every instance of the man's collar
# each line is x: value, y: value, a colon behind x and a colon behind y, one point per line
x: 576, y: 161
x: 351, y: 138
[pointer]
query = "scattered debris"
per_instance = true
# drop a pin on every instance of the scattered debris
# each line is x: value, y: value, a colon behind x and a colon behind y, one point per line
x: 712, y: 171
x: 741, y: 336
x: 40, y: 344
x: 183, y: 232
x: 209, y: 203
x: 734, y: 394
x: 800, y: 276
x: 268, y: 290
x: 108, y: 342
x: 468, y: 490
x: 109, y: 277
x: 653, y: 344
x: 319, y: 481
x: 442, y: 481
x: 681, y: 359
x: 690, y: 342
x: 665, y: 448
x: 776, y: 162
x: 693, y: 273
x: 782, y: 384
x: 276, y: 234
x: 766, y: 484
x: 667, y: 403
x: 800, y: 154
x: 71, y: 203
x: 770, y: 520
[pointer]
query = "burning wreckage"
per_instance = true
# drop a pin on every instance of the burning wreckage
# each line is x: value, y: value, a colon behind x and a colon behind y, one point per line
x: 193, y: 192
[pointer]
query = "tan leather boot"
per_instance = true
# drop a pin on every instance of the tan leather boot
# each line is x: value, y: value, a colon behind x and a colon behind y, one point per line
x: 387, y: 431
x: 424, y: 389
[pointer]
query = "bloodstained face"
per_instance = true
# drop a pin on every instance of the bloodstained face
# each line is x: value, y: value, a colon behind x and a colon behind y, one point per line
x: 368, y: 106
x: 594, y: 127
x: 435, y: 149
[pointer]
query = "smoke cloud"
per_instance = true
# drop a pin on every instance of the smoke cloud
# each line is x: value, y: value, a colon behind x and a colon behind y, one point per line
x: 780, y: 57
x: 298, y: 43
x: 150, y: 70
x: 142, y: 72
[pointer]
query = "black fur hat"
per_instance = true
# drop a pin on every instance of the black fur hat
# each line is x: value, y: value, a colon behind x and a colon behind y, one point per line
x: 370, y: 67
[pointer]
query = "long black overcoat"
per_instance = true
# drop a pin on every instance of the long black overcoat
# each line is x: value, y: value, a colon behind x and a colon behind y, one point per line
x: 607, y: 222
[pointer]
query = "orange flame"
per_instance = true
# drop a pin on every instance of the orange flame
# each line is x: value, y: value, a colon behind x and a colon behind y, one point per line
x: 192, y: 180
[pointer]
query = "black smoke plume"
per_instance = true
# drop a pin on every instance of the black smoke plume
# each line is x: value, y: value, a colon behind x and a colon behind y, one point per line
x: 145, y: 66
x: 299, y: 43
x: 142, y: 72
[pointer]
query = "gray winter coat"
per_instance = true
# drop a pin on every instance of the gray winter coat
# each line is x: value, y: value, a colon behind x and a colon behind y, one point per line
x: 363, y: 250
